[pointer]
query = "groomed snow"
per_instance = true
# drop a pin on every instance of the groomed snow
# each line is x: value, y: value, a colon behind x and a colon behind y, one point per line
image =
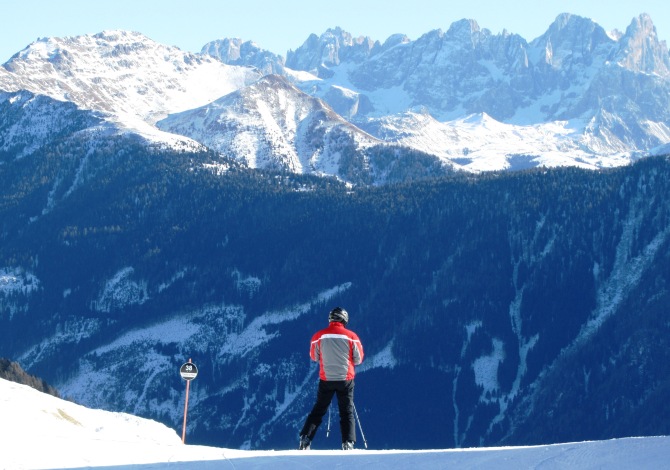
x: 43, y: 432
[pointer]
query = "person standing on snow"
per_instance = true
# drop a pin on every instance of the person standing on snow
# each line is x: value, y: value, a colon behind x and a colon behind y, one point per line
x: 337, y: 350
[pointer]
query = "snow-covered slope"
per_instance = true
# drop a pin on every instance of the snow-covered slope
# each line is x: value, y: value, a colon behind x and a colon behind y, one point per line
x: 126, y: 75
x: 43, y: 432
x: 480, y: 143
x: 29, y: 122
x: 272, y: 124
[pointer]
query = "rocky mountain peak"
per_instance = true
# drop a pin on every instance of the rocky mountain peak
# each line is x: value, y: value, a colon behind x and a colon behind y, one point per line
x: 464, y: 29
x: 234, y: 51
x: 333, y: 47
x: 641, y: 50
x: 227, y: 49
x: 395, y: 39
x: 572, y: 40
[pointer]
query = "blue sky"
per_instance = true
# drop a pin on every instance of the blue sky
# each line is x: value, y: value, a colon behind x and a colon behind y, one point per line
x: 280, y: 25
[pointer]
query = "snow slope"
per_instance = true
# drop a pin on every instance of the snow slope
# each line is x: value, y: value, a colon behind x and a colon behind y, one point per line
x: 44, y: 432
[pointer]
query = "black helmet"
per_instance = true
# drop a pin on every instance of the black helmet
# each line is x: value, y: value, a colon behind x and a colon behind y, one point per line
x: 339, y: 314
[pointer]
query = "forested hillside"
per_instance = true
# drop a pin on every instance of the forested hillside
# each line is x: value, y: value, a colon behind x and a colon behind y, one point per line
x: 506, y: 307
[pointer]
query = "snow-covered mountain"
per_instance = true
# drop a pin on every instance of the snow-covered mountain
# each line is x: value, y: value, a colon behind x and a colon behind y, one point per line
x: 610, y: 94
x: 46, y: 432
x: 272, y: 124
x: 574, y: 96
x: 480, y: 143
x: 127, y: 79
x: 468, y: 69
x: 123, y: 73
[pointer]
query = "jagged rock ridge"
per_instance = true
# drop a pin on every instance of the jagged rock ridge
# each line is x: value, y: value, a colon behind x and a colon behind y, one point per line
x: 578, y: 95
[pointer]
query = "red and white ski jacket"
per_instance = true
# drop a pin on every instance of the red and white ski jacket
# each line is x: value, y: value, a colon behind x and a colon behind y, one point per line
x: 337, y: 350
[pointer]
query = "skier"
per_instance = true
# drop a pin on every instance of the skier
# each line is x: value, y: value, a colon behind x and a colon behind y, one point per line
x: 337, y: 350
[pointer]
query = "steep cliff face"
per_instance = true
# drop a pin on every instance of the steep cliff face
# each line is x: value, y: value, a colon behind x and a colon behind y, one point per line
x: 470, y: 70
x: 641, y: 50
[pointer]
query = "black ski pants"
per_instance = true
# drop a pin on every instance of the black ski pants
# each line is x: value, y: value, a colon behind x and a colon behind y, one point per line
x: 345, y: 400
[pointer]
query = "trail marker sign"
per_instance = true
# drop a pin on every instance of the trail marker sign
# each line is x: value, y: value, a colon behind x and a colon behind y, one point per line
x: 188, y: 371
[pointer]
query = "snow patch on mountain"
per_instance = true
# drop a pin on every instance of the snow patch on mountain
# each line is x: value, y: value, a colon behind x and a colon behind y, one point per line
x: 486, y: 368
x: 72, y: 331
x: 17, y: 281
x: 378, y: 102
x: 174, y: 330
x: 256, y: 333
x: 121, y: 291
x: 384, y: 359
x: 480, y: 143
x: 629, y: 266
x: 16, y: 287
x: 246, y: 284
x: 175, y: 277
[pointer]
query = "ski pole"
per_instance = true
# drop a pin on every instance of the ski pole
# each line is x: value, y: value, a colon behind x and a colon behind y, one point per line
x: 328, y: 429
x: 360, y: 427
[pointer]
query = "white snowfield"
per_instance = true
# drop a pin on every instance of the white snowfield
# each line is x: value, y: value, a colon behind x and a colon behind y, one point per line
x: 43, y: 432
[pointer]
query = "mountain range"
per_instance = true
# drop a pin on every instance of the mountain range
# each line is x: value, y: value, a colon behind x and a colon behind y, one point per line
x: 461, y: 99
